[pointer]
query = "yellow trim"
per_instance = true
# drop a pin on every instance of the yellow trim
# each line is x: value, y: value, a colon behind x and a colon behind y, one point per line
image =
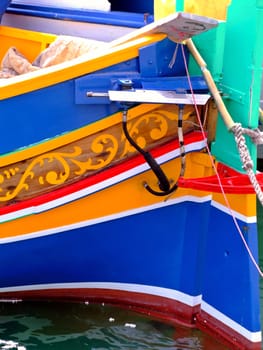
x: 243, y: 204
x: 29, y: 35
x: 90, y: 207
x: 69, y: 70
x: 64, y: 139
x: 29, y: 43
x: 210, y: 8
x: 163, y: 8
x: 76, y: 211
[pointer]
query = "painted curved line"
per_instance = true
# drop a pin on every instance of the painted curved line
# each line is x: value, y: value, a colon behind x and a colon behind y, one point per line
x: 99, y: 220
x: 252, y: 336
x: 48, y: 204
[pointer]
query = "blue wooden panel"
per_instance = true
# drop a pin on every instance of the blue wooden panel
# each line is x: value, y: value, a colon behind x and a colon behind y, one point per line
x: 155, y: 59
x: 3, y: 6
x: 43, y: 114
x: 125, y: 19
x: 105, y: 80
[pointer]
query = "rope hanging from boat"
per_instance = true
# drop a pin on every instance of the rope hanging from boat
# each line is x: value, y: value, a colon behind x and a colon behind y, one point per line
x: 238, y: 131
x: 180, y: 121
x: 261, y: 115
x: 181, y: 140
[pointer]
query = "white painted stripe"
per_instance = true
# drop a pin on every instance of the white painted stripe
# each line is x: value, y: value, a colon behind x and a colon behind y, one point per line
x: 125, y: 287
x: 97, y: 187
x: 101, y: 5
x: 105, y: 218
x: 251, y: 336
x: 225, y: 209
x: 145, y: 289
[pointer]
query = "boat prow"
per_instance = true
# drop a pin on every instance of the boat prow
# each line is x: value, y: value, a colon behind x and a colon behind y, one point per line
x: 115, y: 185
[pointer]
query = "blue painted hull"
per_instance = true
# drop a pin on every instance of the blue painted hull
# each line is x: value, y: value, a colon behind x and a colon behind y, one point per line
x: 136, y: 250
x: 114, y: 251
x: 181, y: 258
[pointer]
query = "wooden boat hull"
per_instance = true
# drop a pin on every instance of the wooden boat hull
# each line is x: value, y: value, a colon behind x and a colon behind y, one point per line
x: 76, y: 219
x: 105, y: 238
x: 97, y: 244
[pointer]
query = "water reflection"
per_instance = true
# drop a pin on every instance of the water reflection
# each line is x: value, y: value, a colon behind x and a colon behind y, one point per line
x: 26, y: 326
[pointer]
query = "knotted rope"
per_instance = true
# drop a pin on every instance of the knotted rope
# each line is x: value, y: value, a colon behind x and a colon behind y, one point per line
x: 255, y: 134
x: 257, y: 138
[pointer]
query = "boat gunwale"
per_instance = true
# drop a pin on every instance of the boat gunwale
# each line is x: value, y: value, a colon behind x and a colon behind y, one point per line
x: 85, y: 64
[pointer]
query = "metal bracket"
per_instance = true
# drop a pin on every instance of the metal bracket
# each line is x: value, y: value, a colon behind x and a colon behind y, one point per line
x: 156, y: 96
x: 232, y: 94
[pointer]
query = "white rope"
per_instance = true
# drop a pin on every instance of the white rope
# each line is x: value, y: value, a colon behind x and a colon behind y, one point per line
x: 256, y: 135
x: 247, y: 163
x: 172, y: 62
x: 181, y: 141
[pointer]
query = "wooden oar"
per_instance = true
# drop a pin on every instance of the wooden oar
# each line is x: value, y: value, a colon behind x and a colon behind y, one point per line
x: 179, y: 26
x: 211, y: 85
x: 261, y: 115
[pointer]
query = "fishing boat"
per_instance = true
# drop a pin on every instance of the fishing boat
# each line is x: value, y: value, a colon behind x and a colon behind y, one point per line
x: 128, y: 166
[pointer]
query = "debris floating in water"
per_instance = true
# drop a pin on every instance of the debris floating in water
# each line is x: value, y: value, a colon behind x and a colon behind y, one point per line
x: 131, y: 325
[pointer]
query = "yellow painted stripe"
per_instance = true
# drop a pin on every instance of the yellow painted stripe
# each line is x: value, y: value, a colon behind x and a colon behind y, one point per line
x: 131, y: 195
x: 27, y: 35
x: 91, y: 207
x: 80, y: 66
x: 244, y: 204
x: 29, y: 43
x: 75, y: 135
x: 209, y: 8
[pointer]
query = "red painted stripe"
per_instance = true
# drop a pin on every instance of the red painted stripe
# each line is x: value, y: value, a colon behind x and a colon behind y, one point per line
x: 153, y: 305
x: 224, y: 334
x: 231, y: 181
x: 101, y: 176
x: 161, y: 308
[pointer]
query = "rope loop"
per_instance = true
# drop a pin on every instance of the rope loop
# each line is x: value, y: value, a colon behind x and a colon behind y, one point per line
x: 247, y: 163
x: 256, y: 135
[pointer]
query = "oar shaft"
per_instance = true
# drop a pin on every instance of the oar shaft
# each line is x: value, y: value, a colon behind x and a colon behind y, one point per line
x: 211, y: 84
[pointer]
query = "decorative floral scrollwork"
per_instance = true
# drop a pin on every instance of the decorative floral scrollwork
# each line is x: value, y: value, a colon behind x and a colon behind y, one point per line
x: 85, y: 156
x: 153, y: 125
x: 55, y: 168
x: 106, y: 146
x: 51, y: 177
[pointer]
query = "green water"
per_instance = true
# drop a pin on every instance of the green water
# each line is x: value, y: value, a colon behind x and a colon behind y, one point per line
x: 65, y: 326
x: 28, y: 326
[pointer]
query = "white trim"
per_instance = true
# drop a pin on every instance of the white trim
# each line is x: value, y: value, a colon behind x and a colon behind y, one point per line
x: 99, y: 186
x: 101, y: 5
x: 105, y: 218
x: 126, y: 287
x: 251, y: 336
x: 145, y: 289
x: 225, y: 209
